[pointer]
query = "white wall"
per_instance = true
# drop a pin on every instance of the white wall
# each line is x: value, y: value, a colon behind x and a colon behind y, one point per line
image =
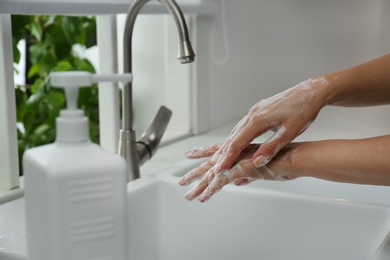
x: 265, y: 46
x: 275, y: 44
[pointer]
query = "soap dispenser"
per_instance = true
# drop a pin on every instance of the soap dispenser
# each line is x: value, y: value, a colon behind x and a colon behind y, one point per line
x: 75, y: 191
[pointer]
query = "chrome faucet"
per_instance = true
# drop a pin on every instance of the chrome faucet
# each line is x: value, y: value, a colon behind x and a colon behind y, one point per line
x: 136, y: 153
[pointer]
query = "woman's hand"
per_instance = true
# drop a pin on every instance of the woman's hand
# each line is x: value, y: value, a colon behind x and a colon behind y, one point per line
x: 241, y: 173
x: 288, y: 114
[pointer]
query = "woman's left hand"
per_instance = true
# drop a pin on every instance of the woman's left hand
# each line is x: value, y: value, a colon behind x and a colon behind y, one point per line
x: 242, y: 172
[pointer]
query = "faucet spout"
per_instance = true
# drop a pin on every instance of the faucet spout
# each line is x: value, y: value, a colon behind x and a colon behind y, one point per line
x: 186, y: 52
x: 134, y: 153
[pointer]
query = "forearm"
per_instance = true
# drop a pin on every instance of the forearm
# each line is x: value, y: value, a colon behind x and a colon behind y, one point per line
x: 366, y: 84
x: 364, y: 161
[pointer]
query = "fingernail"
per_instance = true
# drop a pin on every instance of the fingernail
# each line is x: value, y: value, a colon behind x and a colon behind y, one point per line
x: 191, y: 152
x: 204, y: 197
x: 195, y: 152
x: 261, y: 160
x: 183, y: 181
x: 240, y: 182
x: 190, y: 194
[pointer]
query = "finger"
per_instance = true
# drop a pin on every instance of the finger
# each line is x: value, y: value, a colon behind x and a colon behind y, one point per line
x: 196, y: 173
x: 237, y: 129
x: 272, y: 146
x: 249, y: 150
x: 202, y: 152
x: 244, y: 170
x: 244, y: 181
x: 198, y: 189
x: 231, y: 152
x: 219, y: 181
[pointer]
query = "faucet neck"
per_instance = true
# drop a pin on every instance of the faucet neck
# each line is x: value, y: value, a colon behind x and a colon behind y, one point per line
x: 127, y: 145
x: 186, y: 53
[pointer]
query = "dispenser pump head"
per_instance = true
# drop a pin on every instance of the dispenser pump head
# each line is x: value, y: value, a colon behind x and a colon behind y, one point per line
x: 72, y: 124
x: 71, y: 81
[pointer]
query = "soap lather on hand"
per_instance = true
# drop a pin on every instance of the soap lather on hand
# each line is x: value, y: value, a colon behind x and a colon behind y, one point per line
x: 241, y: 173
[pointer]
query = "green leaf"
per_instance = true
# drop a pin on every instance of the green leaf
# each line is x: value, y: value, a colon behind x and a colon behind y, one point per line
x: 35, y: 88
x: 36, y: 30
x: 34, y: 70
x: 28, y: 120
x: 64, y: 65
x: 94, y: 132
x: 34, y: 100
x: 21, y: 99
x: 20, y: 96
x: 62, y: 49
x: 36, y: 52
x: 41, y: 69
x: 42, y: 129
x: 67, y: 26
x: 16, y: 51
x: 56, y: 98
x: 55, y: 34
x: 90, y: 35
x: 19, y: 25
x: 44, y: 54
x: 85, y: 65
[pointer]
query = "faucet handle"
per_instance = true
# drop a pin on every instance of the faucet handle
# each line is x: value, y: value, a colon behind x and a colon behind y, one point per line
x: 151, y: 137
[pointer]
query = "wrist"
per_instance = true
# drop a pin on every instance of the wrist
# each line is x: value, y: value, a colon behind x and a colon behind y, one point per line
x: 297, y: 163
x: 284, y: 163
x: 325, y: 88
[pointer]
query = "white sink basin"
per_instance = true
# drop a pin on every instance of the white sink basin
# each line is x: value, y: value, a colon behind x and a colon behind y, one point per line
x: 250, y: 223
x: 240, y: 223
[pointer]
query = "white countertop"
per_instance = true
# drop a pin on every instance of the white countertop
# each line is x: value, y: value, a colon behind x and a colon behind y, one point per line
x: 332, y: 123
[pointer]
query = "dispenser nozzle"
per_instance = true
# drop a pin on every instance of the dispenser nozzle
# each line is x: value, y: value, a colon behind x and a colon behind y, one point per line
x: 71, y: 98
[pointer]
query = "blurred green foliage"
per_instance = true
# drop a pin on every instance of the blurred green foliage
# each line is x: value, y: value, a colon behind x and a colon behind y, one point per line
x: 50, y: 42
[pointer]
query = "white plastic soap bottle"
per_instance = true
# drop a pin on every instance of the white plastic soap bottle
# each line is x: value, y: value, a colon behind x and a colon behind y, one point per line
x: 75, y: 191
